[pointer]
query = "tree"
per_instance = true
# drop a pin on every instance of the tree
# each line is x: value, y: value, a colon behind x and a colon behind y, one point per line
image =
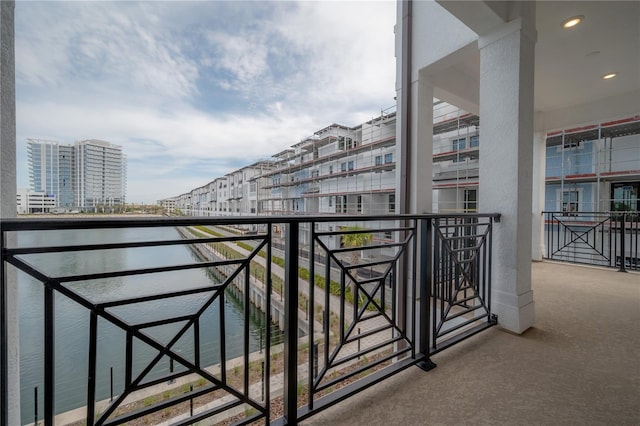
x: 357, y: 238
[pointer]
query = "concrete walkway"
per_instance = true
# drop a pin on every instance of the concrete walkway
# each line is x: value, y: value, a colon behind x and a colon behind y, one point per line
x: 579, y: 364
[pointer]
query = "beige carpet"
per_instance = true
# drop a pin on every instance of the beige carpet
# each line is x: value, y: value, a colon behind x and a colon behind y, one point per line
x: 579, y: 364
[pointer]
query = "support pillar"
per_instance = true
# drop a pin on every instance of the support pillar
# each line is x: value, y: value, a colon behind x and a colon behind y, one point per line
x: 506, y: 109
x: 9, y: 414
x: 421, y: 149
x: 538, y: 199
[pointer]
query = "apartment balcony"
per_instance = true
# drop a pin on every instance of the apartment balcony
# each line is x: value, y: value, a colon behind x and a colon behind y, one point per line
x: 358, y: 354
x: 154, y: 320
x: 578, y: 364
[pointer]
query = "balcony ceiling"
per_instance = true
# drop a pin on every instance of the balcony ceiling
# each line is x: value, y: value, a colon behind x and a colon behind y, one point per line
x: 570, y: 63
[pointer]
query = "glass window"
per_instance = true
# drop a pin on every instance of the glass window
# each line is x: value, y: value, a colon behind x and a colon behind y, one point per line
x: 570, y: 200
x: 459, y: 144
x: 343, y: 167
x: 470, y: 200
x: 392, y: 203
x: 474, y: 141
x: 378, y: 160
x: 624, y: 196
x: 351, y: 165
x: 341, y: 142
x: 388, y: 158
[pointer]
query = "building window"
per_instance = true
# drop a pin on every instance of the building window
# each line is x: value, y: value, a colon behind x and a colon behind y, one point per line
x: 341, y: 203
x: 330, y: 170
x: 459, y: 144
x: 388, y: 158
x: 474, y: 141
x: 341, y: 143
x: 330, y: 201
x: 470, y: 200
x: 351, y: 165
x: 572, y: 145
x: 625, y: 196
x: 570, y: 201
x: 378, y: 160
x: 359, y: 203
x: 343, y: 167
x: 392, y: 203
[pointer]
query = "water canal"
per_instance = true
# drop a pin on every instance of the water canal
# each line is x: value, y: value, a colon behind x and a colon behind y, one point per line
x: 72, y: 320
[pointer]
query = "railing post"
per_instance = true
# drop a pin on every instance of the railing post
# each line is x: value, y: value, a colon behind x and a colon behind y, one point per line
x: 291, y: 323
x: 425, y: 252
x: 623, y: 245
x: 49, y: 355
x: 4, y: 341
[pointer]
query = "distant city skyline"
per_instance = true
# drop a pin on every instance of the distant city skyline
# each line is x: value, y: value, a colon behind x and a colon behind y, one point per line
x: 192, y: 91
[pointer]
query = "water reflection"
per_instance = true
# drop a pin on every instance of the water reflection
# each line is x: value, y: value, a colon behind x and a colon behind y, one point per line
x: 72, y: 320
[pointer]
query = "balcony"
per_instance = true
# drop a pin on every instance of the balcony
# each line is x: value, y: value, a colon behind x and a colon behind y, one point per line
x: 373, y: 309
x: 577, y: 365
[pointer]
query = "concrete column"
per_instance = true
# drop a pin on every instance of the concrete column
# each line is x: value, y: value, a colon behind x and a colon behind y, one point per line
x: 506, y: 111
x: 8, y: 195
x: 538, y: 199
x: 421, y: 148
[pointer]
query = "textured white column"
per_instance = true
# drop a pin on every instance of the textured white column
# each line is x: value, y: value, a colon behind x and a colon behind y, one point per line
x: 421, y: 176
x: 8, y: 193
x: 506, y: 113
x: 538, y: 196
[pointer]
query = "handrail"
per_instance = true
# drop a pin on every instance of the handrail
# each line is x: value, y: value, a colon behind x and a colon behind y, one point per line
x: 359, y: 316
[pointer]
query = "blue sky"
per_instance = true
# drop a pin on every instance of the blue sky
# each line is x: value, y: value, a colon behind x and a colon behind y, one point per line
x: 194, y: 90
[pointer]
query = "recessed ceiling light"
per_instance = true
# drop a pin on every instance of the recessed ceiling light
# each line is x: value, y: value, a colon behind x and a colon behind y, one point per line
x: 573, y: 21
x: 609, y: 76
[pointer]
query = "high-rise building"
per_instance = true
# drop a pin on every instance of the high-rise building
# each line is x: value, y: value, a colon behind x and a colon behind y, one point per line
x: 50, y: 170
x: 100, y: 175
x: 89, y: 175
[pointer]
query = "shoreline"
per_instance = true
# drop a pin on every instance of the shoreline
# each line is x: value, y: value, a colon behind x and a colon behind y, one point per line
x: 84, y: 215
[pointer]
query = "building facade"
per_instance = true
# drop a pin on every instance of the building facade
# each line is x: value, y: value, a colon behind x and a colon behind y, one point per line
x: 352, y: 170
x: 32, y: 202
x: 51, y: 170
x: 89, y: 175
x: 594, y: 167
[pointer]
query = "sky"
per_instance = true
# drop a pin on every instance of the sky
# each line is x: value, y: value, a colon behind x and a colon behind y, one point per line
x: 195, y: 90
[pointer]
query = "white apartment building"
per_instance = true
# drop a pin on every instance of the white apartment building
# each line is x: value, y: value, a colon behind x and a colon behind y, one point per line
x: 90, y: 175
x: 169, y: 205
x: 30, y: 202
x: 100, y: 176
x: 343, y: 170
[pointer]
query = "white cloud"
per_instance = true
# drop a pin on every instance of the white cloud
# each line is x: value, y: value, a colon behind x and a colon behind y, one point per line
x: 192, y: 88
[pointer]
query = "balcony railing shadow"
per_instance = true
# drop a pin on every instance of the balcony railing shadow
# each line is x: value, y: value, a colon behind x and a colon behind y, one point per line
x: 357, y: 299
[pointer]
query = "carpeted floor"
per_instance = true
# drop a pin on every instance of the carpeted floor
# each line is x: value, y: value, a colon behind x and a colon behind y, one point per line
x: 579, y: 364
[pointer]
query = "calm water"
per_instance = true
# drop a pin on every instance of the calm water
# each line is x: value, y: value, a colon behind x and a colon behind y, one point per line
x: 72, y: 330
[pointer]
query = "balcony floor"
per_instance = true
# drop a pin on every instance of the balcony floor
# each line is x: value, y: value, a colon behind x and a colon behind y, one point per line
x: 579, y: 364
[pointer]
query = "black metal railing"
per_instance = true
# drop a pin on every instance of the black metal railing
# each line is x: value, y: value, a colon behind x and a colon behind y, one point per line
x: 608, y: 239
x: 371, y: 296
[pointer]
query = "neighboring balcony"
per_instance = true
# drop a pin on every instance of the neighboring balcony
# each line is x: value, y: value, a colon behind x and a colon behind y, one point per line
x: 188, y: 320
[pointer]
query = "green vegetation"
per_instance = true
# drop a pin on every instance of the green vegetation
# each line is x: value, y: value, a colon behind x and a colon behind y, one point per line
x: 354, y: 240
x: 259, y: 271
